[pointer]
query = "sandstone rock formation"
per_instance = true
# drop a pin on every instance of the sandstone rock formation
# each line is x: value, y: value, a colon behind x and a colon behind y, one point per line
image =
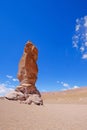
x: 27, y: 67
x: 27, y: 75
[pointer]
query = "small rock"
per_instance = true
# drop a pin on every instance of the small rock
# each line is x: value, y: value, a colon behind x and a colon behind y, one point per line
x: 14, y: 95
x: 34, y: 98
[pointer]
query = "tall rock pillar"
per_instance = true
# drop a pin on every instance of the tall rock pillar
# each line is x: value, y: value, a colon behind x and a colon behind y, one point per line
x: 27, y: 75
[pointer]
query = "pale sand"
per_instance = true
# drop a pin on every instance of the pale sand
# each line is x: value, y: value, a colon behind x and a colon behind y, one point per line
x: 50, y: 116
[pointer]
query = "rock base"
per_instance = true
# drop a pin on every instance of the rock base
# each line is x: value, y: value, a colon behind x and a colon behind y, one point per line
x: 24, y: 97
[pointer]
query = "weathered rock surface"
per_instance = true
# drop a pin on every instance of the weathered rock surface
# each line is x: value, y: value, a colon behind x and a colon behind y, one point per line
x: 34, y: 98
x: 27, y: 67
x: 27, y: 75
x: 14, y: 95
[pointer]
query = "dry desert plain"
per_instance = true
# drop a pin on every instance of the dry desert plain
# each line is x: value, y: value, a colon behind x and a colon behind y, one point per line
x: 65, y: 110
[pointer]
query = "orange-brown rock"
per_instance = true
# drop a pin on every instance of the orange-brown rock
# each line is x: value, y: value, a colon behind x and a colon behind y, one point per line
x: 27, y: 75
x: 27, y: 67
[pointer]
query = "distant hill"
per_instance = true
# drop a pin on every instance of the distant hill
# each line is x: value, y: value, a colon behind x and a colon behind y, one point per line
x: 78, y: 95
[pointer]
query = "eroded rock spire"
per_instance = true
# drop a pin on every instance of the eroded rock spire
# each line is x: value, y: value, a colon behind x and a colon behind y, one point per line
x: 27, y: 75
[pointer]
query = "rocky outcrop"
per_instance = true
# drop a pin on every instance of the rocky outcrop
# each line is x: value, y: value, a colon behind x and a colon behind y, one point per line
x: 27, y: 75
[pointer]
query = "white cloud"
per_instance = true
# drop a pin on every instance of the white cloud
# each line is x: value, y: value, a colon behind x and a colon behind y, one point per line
x: 75, y: 41
x: 86, y: 43
x: 75, y: 87
x: 64, y: 89
x: 4, y: 89
x: 9, y: 76
x: 15, y: 80
x: 79, y: 39
x: 85, y: 23
x: 43, y: 90
x: 7, y: 85
x: 82, y: 48
x: 75, y: 45
x: 77, y: 27
x: 65, y: 85
x: 84, y: 56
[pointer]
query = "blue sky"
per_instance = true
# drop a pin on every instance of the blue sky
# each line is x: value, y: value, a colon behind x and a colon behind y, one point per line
x: 50, y: 25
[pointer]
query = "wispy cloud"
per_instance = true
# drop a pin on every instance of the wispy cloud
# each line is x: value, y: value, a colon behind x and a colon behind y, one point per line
x: 66, y: 86
x: 12, y: 78
x: 63, y: 83
x: 84, y: 56
x: 79, y: 39
x: 15, y: 80
x: 8, y: 85
x: 9, y: 76
x: 43, y: 90
x: 5, y: 89
x: 75, y: 87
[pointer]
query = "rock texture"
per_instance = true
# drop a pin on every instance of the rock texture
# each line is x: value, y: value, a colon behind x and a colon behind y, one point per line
x: 27, y: 75
x: 27, y: 67
x: 15, y: 96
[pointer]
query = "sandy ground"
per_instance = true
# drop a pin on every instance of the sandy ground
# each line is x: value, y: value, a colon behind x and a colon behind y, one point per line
x: 50, y: 116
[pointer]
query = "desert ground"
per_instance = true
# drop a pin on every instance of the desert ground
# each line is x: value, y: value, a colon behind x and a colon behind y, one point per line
x: 61, y: 111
